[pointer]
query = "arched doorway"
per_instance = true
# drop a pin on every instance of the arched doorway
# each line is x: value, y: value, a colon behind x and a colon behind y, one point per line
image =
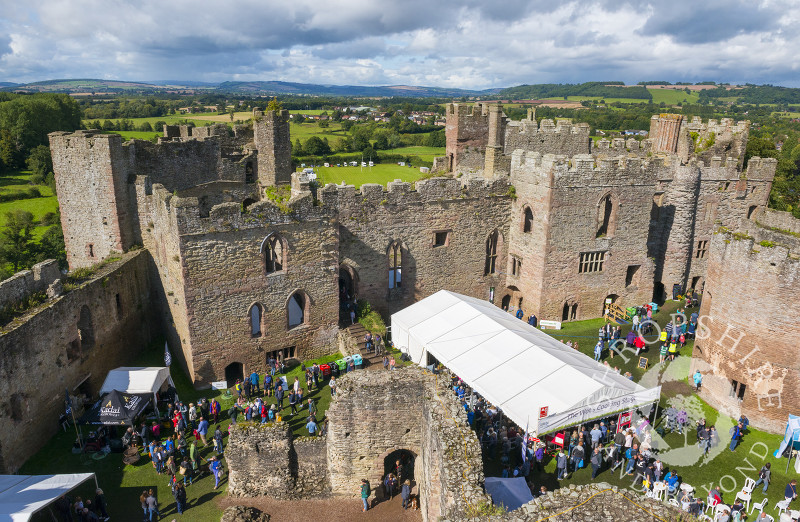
x: 506, y: 301
x: 565, y: 312
x: 347, y: 283
x: 406, y: 459
x: 608, y: 301
x: 233, y: 372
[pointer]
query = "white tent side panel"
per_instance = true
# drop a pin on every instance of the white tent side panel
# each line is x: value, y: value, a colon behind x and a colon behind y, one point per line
x: 136, y: 379
x: 24, y: 495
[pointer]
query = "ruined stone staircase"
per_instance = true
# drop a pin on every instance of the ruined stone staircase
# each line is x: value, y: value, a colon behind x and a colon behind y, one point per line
x: 352, y: 342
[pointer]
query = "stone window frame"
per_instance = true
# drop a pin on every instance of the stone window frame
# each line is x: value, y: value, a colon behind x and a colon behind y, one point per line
x: 268, y: 261
x: 307, y: 302
x: 90, y: 250
x: 591, y: 262
x: 606, y: 225
x: 701, y: 250
x: 394, y: 264
x: 436, y: 238
x: 261, y: 321
x: 526, y: 223
x: 493, y: 241
x: 516, y: 265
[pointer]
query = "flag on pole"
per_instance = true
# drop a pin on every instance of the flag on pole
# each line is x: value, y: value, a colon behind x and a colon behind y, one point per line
x: 68, y: 401
x: 167, y: 356
x: 525, y: 443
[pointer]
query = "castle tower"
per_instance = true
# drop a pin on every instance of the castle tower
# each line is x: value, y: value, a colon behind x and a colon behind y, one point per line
x: 91, y: 184
x: 271, y: 131
x: 664, y: 131
x: 494, y: 146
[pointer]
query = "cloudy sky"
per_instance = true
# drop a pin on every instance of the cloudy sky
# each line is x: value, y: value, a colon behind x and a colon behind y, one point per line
x: 472, y: 44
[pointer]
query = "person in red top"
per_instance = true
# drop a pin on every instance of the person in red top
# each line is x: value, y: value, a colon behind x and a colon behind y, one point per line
x: 638, y: 343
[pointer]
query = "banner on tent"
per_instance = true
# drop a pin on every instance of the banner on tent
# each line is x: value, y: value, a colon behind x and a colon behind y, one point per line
x: 570, y: 418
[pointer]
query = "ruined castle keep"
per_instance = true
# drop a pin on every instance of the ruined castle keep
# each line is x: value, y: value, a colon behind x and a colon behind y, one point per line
x: 250, y: 260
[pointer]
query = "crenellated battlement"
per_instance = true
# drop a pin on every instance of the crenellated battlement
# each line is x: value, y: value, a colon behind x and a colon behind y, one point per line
x: 563, y: 126
x: 400, y: 193
x: 761, y: 169
x: 467, y: 110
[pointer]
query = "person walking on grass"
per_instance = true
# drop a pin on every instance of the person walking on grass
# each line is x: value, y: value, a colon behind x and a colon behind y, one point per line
x: 215, y: 466
x: 764, y: 476
x: 152, y: 505
x: 180, y: 498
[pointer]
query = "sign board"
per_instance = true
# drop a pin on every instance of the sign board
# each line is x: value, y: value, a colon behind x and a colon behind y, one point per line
x: 608, y: 300
x: 624, y: 420
x: 604, y: 408
x: 219, y: 385
x: 643, y: 362
x: 491, y: 294
x: 558, y: 440
x: 550, y: 325
x: 543, y: 412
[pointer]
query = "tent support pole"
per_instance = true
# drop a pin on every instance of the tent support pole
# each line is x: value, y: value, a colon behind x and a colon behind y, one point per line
x: 791, y: 443
x: 52, y: 514
x: 96, y: 485
x: 655, y: 417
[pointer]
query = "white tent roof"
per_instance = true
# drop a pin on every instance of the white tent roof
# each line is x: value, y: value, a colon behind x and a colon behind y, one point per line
x: 23, y: 495
x: 515, y: 366
x: 136, y: 379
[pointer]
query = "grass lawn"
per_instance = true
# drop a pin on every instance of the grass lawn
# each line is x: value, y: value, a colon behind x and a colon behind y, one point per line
x: 607, y: 100
x: 305, y: 130
x: 381, y: 173
x: 18, y: 181
x: 423, y: 153
x: 123, y: 484
x: 139, y: 135
x: 673, y: 96
x: 679, y: 451
x: 310, y: 112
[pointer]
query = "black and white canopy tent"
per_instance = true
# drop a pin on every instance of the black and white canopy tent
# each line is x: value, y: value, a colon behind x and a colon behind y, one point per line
x: 116, y: 408
x: 139, y: 380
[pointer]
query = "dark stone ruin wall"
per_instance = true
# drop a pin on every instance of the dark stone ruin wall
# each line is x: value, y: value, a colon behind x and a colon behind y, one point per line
x: 69, y: 342
x: 372, y: 218
x: 749, y: 312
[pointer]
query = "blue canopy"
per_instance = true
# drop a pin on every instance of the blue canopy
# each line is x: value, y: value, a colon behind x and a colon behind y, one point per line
x: 790, y: 435
x: 512, y: 493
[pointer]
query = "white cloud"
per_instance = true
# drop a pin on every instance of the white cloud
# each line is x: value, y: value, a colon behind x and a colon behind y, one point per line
x: 453, y: 43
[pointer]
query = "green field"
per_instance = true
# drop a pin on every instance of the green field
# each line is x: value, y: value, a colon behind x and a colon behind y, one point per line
x: 381, y: 173
x: 303, y: 131
x: 607, y: 100
x: 673, y: 96
x: 423, y: 153
x: 139, y: 135
x: 18, y: 181
x: 311, y: 112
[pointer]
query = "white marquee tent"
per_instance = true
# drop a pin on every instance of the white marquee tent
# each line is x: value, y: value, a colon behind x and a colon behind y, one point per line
x: 23, y: 495
x: 137, y: 379
x: 536, y: 380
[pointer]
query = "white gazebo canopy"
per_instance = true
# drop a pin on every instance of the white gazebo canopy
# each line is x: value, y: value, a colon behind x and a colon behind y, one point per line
x: 536, y: 380
x: 23, y: 495
x: 137, y: 379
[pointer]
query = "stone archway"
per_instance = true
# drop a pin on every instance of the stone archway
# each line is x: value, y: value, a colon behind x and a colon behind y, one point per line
x: 387, y: 462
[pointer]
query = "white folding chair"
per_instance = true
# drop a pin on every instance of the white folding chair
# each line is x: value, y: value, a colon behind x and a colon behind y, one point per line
x: 749, y: 484
x: 674, y: 502
x: 782, y: 506
x: 759, y: 505
x: 720, y: 508
x: 711, y: 503
x: 746, y: 496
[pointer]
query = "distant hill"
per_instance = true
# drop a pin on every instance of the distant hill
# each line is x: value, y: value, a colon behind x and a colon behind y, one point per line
x: 277, y: 87
x: 84, y: 86
x: 7, y: 84
x: 589, y: 89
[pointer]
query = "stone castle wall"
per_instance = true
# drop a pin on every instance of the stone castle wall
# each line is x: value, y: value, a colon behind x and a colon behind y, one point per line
x: 22, y: 284
x: 372, y: 218
x: 266, y: 459
x: 202, y: 258
x: 69, y: 342
x: 567, y: 203
x: 748, y: 313
x: 271, y: 135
